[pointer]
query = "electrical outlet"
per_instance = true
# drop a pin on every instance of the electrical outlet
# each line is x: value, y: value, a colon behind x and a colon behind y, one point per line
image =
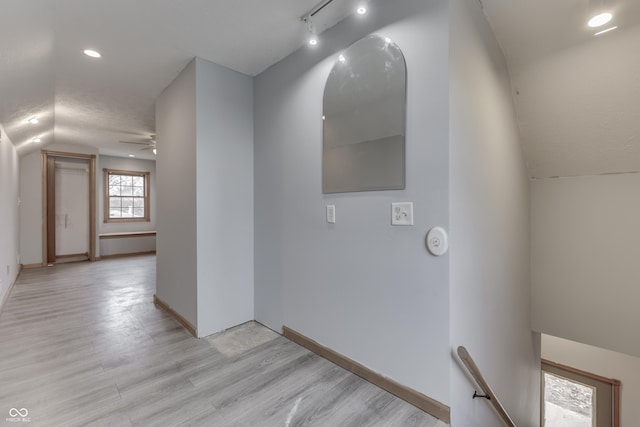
x: 402, y: 213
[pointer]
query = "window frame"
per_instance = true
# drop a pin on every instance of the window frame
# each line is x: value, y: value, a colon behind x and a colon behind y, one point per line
x: 584, y: 377
x: 147, y: 208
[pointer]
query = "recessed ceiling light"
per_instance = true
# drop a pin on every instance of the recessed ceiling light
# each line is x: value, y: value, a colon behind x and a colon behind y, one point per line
x: 131, y: 155
x: 313, y: 41
x: 361, y: 10
x: 36, y: 140
x: 33, y: 120
x: 342, y: 59
x: 600, y: 19
x: 92, y: 53
x: 605, y: 31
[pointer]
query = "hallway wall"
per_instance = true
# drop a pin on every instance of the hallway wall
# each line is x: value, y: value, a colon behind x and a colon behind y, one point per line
x: 361, y: 287
x: 490, y: 283
x: 205, y: 196
x: 9, y: 222
x: 585, y: 269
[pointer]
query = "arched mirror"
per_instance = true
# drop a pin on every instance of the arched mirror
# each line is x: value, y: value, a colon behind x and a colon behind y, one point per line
x: 364, y: 113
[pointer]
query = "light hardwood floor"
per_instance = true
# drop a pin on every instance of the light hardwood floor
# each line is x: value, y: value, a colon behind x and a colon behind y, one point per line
x: 82, y: 344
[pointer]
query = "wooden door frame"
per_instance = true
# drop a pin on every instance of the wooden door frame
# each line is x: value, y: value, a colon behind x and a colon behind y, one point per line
x: 48, y: 156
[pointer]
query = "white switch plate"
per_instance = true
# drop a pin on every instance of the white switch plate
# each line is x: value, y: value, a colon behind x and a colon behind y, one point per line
x: 402, y: 213
x: 331, y: 214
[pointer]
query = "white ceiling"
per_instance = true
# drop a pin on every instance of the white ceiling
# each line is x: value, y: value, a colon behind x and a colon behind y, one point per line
x: 575, y: 94
x: 144, y: 45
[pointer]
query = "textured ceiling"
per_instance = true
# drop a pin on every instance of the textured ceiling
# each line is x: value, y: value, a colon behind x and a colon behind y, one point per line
x: 145, y: 44
x: 575, y: 94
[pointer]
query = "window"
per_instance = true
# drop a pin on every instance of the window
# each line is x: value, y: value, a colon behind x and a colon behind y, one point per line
x: 126, y: 196
x: 571, y: 397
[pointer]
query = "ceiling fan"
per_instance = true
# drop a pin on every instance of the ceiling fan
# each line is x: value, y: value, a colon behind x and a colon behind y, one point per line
x: 148, y: 145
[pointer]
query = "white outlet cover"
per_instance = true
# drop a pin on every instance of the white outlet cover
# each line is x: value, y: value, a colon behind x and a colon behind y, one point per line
x: 402, y: 213
x: 437, y: 241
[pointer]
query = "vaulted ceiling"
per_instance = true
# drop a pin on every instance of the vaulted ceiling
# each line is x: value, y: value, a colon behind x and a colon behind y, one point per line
x: 144, y: 45
x: 576, y: 94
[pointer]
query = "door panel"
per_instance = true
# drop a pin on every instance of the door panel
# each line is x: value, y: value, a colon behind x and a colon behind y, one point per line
x: 71, y: 207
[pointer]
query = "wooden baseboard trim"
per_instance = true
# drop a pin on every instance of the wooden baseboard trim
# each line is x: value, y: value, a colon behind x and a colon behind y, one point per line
x: 32, y: 266
x: 417, y: 399
x: 176, y: 316
x: 131, y: 254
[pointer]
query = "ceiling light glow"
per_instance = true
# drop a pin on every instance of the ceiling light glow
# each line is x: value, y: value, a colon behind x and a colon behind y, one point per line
x: 600, y: 19
x: 131, y: 155
x: 342, y: 59
x: 313, y: 41
x: 92, y: 53
x: 33, y: 120
x: 361, y: 10
x: 605, y: 31
x: 36, y: 140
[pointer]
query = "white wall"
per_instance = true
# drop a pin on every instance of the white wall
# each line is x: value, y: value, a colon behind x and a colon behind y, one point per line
x: 606, y: 363
x: 585, y: 269
x: 9, y: 224
x: 31, y: 208
x: 361, y: 287
x: 204, y: 124
x: 224, y: 108
x: 130, y: 244
x: 176, y: 282
x: 490, y: 286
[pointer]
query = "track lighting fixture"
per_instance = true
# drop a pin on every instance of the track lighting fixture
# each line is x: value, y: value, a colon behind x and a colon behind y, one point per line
x: 312, y: 37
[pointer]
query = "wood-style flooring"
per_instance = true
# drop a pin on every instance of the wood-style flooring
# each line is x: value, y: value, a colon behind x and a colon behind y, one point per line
x: 82, y: 344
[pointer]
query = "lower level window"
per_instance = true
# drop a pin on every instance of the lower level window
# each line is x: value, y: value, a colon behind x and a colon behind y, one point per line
x: 576, y: 398
x: 126, y: 196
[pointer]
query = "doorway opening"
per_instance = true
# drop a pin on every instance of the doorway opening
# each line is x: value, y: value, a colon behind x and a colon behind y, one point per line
x: 69, y: 207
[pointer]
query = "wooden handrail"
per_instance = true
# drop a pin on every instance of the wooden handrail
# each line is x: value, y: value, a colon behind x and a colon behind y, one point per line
x: 489, y: 394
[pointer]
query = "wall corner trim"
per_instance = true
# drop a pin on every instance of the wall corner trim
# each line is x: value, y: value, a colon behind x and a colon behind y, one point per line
x: 417, y: 399
x: 175, y: 315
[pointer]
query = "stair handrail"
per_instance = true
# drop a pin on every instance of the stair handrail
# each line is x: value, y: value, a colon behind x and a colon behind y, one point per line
x: 468, y: 362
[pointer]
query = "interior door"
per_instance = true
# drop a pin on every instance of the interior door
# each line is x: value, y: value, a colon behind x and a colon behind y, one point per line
x: 71, y: 209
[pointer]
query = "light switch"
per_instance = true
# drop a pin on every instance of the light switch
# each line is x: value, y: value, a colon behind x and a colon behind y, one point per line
x: 402, y: 213
x: 331, y: 214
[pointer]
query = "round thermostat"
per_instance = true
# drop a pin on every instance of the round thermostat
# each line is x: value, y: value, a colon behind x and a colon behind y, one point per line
x: 437, y: 241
